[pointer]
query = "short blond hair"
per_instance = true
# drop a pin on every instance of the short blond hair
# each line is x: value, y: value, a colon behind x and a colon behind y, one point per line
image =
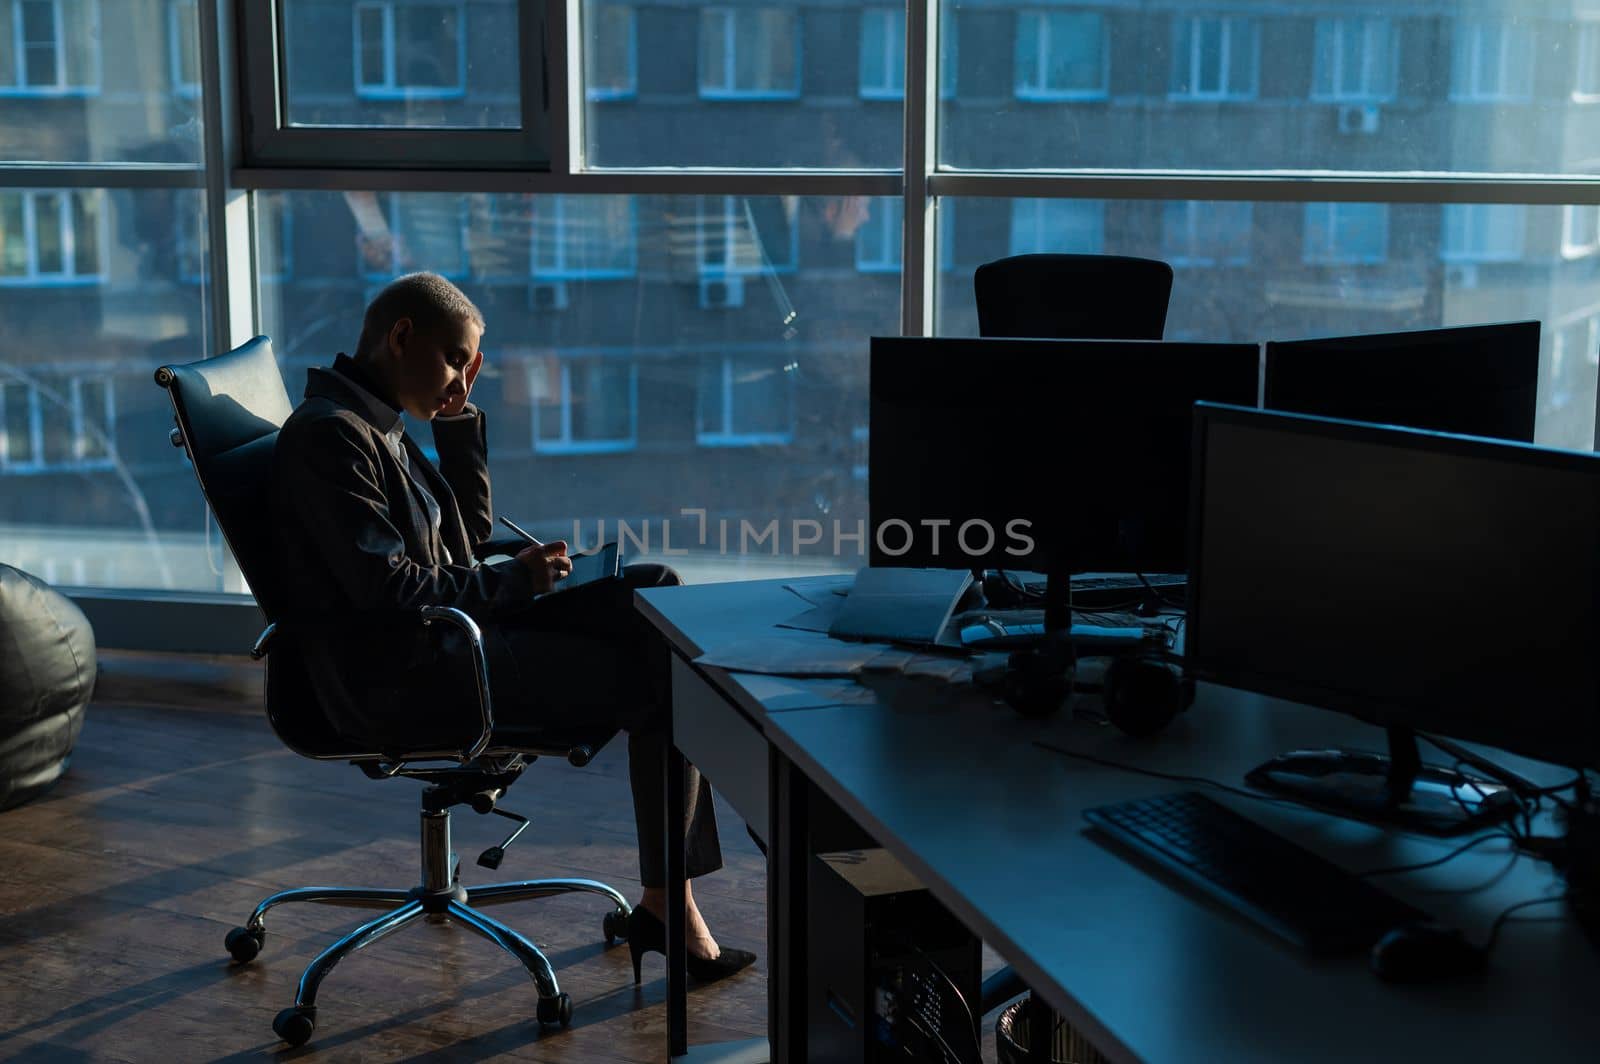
x: 426, y: 298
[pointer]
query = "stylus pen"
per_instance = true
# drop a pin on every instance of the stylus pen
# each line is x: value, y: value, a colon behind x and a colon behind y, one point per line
x: 523, y: 532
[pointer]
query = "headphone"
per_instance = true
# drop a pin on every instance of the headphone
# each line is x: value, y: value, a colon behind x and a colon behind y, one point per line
x: 1144, y: 692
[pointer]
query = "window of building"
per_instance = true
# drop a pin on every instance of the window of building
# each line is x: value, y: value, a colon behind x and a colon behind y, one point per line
x: 1215, y: 57
x: 610, y: 52
x: 1587, y: 86
x: 52, y: 237
x: 584, y: 405
x: 183, y: 46
x: 744, y: 401
x: 750, y: 53
x: 1346, y: 233
x: 1574, y: 353
x: 1492, y: 61
x: 1205, y: 233
x: 273, y: 244
x: 62, y: 424
x: 883, y: 53
x: 1483, y: 232
x: 1062, y: 55
x: 740, y: 235
x: 1580, y: 230
x: 49, y: 47
x: 578, y: 237
x: 1057, y: 225
x: 878, y: 241
x: 1356, y: 60
x: 413, y: 231
x: 410, y: 50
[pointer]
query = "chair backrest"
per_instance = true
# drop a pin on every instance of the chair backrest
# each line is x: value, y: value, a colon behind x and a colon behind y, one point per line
x: 229, y: 409
x: 1073, y: 297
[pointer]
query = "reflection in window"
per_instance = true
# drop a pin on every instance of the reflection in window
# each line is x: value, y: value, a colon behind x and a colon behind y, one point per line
x: 60, y: 424
x: 413, y: 231
x: 1215, y: 57
x: 1574, y: 353
x: 584, y: 237
x: 1057, y: 225
x: 1587, y: 87
x: 1483, y: 232
x: 1346, y: 233
x: 1061, y: 55
x: 878, y: 240
x: 409, y: 50
x: 610, y: 52
x: 1580, y: 230
x: 584, y: 405
x: 52, y: 236
x: 49, y: 47
x: 749, y: 53
x: 744, y: 401
x: 183, y: 46
x: 738, y: 235
x: 1204, y: 233
x: 883, y: 53
x: 1355, y: 60
x: 1492, y: 61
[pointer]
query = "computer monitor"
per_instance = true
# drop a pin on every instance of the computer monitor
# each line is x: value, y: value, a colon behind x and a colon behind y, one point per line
x: 1039, y: 453
x: 1481, y: 380
x: 1424, y: 582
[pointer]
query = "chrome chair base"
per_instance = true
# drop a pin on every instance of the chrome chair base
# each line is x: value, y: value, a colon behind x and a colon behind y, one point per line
x: 440, y: 896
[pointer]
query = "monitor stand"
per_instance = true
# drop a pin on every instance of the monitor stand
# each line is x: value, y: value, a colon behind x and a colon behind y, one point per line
x: 1396, y: 789
x: 1037, y: 680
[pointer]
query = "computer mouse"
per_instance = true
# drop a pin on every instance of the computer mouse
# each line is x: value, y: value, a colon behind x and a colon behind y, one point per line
x: 1424, y: 953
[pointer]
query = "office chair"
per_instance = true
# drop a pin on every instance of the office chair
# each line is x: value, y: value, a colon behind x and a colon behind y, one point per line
x: 1073, y: 297
x: 228, y: 411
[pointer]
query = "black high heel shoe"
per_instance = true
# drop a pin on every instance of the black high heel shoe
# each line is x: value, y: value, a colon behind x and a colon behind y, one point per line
x: 647, y: 934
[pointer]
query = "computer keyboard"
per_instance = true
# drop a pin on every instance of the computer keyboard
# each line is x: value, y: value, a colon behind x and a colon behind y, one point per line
x: 1284, y: 887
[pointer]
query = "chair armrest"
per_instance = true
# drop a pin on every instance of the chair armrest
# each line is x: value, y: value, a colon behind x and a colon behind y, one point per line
x: 427, y: 616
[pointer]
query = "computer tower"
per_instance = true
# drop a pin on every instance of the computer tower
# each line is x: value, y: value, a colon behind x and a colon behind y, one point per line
x: 892, y: 974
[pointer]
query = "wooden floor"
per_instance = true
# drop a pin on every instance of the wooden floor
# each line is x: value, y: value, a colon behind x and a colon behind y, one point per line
x: 181, y: 811
x: 117, y: 887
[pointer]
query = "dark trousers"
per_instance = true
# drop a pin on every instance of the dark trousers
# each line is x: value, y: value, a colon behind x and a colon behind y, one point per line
x: 587, y: 657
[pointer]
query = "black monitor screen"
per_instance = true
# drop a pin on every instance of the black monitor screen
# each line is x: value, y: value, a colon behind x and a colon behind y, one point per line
x: 1418, y: 580
x: 1028, y: 448
x: 1481, y: 380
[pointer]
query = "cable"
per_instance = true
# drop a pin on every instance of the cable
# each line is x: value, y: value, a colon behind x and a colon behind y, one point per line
x: 1452, y: 855
x: 1175, y: 778
x: 1499, y: 921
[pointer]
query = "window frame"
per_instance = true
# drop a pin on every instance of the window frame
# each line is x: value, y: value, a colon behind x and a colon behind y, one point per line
x: 894, y: 41
x: 1331, y: 28
x: 69, y: 391
x: 1466, y: 66
x: 565, y: 444
x: 1041, y: 57
x: 1333, y: 257
x: 69, y: 278
x: 728, y: 90
x: 1225, y: 58
x: 270, y: 141
x: 726, y: 437
x: 62, y: 86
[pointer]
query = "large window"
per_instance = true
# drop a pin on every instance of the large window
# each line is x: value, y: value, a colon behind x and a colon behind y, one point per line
x: 1062, y: 55
x: 1355, y: 60
x: 409, y: 49
x: 49, y: 47
x: 576, y: 237
x: 1580, y: 231
x: 749, y: 53
x: 1586, y: 86
x: 883, y: 53
x: 745, y: 401
x: 1194, y: 233
x: 183, y: 48
x: 52, y: 237
x: 1215, y: 57
x: 611, y: 52
x: 1057, y: 225
x: 1346, y: 233
x: 1492, y: 61
x: 584, y: 405
x: 1484, y: 232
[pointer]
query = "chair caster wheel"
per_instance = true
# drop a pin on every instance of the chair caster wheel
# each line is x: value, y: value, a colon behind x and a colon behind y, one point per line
x: 243, y: 944
x: 294, y: 1025
x: 615, y: 927
x: 554, y: 1010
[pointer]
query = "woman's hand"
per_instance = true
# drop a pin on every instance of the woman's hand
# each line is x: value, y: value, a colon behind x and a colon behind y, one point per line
x: 548, y: 562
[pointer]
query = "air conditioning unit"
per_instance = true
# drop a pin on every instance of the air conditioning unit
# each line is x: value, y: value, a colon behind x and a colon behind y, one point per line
x: 1358, y: 118
x: 1461, y: 275
x: 548, y: 295
x: 717, y: 293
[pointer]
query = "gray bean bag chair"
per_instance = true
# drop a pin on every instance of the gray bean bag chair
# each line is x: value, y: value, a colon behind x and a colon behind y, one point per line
x: 47, y: 670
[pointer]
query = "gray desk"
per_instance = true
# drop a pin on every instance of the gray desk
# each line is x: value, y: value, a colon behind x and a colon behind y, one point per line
x: 956, y: 788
